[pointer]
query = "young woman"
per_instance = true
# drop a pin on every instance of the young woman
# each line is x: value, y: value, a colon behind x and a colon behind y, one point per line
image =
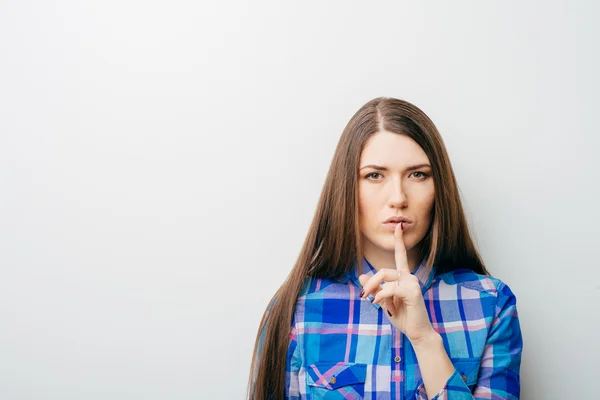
x: 389, y: 298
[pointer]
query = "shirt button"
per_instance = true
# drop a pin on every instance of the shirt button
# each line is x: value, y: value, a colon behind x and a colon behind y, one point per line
x: 464, y: 377
x: 333, y: 380
x: 397, y: 359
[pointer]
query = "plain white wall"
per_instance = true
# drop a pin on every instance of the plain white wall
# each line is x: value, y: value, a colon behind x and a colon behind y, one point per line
x: 160, y: 163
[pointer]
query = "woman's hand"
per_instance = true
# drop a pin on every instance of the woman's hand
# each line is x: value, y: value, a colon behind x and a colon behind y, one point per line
x: 400, y: 295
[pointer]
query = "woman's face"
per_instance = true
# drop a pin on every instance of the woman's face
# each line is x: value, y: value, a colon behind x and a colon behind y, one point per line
x: 389, y: 185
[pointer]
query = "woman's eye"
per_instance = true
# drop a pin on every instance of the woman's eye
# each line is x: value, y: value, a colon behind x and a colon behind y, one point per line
x: 371, y: 174
x: 422, y: 176
x: 422, y: 173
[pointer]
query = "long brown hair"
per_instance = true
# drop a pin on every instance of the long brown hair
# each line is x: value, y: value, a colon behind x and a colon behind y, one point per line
x: 333, y: 241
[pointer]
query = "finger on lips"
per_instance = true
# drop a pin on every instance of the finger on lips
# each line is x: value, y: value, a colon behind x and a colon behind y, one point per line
x: 400, y: 250
x: 377, y: 283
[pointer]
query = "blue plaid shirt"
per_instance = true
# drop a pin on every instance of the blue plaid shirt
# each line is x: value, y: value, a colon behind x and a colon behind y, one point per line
x: 342, y: 347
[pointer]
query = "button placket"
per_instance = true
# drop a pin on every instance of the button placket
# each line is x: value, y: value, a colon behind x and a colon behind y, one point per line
x: 398, y: 387
x: 403, y: 386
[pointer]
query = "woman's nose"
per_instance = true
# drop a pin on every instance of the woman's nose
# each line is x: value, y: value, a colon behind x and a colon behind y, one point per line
x: 397, y: 195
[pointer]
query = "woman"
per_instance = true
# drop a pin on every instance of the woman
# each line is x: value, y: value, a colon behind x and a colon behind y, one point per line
x: 419, y: 316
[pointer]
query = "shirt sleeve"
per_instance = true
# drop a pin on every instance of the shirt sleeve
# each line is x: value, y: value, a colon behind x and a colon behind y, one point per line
x: 292, y: 363
x: 292, y: 367
x: 501, y: 361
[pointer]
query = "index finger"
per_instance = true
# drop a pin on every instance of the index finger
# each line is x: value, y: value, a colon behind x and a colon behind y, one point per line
x: 400, y: 251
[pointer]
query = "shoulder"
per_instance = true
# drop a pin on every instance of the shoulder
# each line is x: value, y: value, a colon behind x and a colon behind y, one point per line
x: 326, y: 287
x: 324, y: 301
x: 469, y: 280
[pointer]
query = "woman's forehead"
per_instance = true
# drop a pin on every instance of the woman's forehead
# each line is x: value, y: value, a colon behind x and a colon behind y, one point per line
x: 392, y: 150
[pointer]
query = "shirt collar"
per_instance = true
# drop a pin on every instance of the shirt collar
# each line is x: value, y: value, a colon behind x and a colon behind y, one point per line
x: 423, y: 274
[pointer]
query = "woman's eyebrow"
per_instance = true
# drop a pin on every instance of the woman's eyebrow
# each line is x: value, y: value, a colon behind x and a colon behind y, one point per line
x: 383, y: 168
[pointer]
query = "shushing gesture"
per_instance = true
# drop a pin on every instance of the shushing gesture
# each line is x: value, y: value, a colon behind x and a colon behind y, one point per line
x: 400, y: 295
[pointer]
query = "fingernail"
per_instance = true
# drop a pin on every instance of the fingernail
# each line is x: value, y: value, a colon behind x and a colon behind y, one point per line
x: 389, y: 313
x: 371, y: 298
x: 362, y: 293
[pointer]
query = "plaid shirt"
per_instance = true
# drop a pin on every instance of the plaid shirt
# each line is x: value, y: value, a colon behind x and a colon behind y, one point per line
x: 342, y: 347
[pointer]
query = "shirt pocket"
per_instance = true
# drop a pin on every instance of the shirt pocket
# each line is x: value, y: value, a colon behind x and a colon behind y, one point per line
x: 467, y: 369
x: 331, y: 380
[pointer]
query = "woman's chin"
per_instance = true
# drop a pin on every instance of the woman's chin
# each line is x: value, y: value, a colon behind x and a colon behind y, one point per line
x: 389, y: 243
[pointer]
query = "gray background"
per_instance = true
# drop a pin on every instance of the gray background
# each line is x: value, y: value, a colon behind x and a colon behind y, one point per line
x: 160, y: 163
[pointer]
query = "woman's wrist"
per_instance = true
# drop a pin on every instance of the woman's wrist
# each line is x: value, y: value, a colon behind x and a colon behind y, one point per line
x: 430, y: 340
x: 436, y: 367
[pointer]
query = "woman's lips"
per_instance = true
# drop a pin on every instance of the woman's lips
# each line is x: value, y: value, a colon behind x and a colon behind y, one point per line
x: 392, y: 225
